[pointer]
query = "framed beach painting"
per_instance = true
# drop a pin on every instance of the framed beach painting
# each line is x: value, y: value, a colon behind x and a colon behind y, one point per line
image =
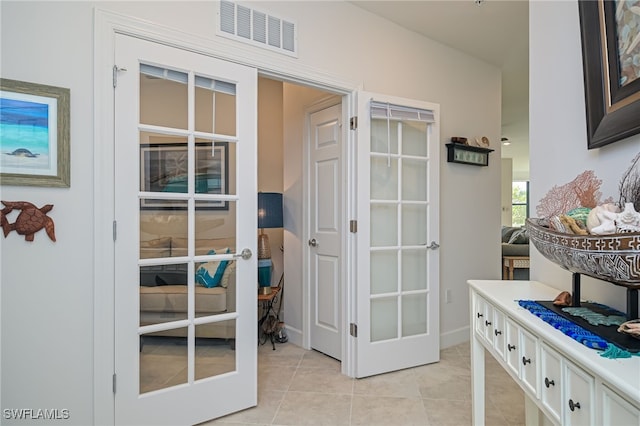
x: 34, y: 134
x: 611, y: 62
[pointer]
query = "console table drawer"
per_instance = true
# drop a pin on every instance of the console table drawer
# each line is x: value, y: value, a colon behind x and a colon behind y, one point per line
x: 513, y: 347
x: 529, y: 358
x: 579, y: 396
x: 483, y: 319
x: 616, y: 411
x: 499, y: 332
x: 551, y: 381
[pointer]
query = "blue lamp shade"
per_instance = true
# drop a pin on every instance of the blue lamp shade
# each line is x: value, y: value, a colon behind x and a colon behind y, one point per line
x: 269, y: 210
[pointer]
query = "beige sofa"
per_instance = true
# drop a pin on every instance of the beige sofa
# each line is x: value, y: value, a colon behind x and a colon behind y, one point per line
x: 163, y: 290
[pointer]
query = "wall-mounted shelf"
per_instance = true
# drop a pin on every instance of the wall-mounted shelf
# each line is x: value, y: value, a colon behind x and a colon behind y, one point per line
x: 466, y: 154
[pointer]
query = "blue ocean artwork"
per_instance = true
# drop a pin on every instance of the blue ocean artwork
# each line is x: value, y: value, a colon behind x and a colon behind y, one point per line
x: 24, y: 128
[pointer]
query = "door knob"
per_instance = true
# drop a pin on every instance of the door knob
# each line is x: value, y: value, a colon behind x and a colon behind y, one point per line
x: 245, y: 254
x: 313, y: 243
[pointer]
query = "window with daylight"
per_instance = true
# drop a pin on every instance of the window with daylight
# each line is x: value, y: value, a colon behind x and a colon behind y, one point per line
x: 519, y: 203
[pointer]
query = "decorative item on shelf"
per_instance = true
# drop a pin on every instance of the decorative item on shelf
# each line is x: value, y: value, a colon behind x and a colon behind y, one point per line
x: 459, y: 139
x: 483, y: 142
x: 631, y: 328
x: 614, y: 258
x: 30, y: 220
x: 269, y: 216
x: 467, y: 154
x: 563, y: 299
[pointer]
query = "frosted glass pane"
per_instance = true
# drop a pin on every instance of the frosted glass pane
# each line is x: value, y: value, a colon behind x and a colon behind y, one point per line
x: 384, y: 271
x: 381, y: 140
x: 384, y: 179
x: 414, y: 224
x: 414, y: 180
x: 414, y: 270
x: 384, y: 319
x: 414, y: 138
x: 414, y: 314
x: 384, y: 225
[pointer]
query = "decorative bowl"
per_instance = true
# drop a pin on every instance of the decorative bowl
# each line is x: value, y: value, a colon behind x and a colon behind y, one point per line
x: 614, y: 258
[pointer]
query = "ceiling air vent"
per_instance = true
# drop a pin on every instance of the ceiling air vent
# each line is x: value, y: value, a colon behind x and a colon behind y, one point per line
x: 257, y: 28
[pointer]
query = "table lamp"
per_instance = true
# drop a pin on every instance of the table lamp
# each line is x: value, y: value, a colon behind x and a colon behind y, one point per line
x: 269, y: 216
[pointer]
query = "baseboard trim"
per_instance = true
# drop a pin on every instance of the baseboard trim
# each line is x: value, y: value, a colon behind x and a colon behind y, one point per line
x: 294, y: 335
x: 454, y: 337
x: 448, y: 339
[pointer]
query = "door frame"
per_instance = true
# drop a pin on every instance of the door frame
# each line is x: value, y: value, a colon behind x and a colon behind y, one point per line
x: 306, y: 212
x: 106, y: 25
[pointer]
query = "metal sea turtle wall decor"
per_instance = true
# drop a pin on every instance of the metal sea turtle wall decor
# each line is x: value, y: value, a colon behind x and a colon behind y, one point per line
x: 30, y: 220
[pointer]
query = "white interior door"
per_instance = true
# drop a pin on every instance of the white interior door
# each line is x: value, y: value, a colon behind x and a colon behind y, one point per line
x: 325, y: 218
x: 397, y: 257
x: 185, y: 199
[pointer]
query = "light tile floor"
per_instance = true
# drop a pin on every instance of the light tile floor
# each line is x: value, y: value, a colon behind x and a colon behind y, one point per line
x: 300, y: 387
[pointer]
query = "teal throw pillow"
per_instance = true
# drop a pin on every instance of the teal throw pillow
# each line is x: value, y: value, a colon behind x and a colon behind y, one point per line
x: 210, y: 274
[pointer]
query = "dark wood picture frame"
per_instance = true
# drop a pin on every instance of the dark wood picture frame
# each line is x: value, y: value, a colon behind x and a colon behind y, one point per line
x: 161, y: 168
x: 612, y: 107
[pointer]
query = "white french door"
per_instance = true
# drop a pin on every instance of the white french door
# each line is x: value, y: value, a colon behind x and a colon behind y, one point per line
x: 397, y: 258
x: 185, y: 197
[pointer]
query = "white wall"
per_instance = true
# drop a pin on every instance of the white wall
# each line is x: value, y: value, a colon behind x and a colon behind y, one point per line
x: 47, y: 288
x: 558, y: 140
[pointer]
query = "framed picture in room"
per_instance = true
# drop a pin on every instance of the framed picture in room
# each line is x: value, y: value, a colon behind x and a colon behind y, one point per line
x: 610, y: 50
x: 34, y: 134
x: 163, y: 168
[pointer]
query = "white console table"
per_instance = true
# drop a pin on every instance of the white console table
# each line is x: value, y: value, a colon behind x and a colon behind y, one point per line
x: 564, y: 382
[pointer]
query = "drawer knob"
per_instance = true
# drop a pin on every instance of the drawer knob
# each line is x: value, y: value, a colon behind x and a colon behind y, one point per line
x: 479, y: 315
x: 548, y: 382
x: 510, y: 347
x: 573, y: 405
x: 487, y: 323
x: 526, y: 361
x: 497, y: 332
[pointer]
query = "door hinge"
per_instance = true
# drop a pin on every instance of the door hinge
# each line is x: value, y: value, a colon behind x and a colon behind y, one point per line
x: 353, y: 226
x: 115, y: 230
x: 115, y: 76
x: 114, y: 382
x: 353, y: 123
x: 353, y: 329
x: 115, y: 70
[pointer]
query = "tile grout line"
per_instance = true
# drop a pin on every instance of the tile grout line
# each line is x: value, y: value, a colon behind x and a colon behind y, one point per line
x: 286, y: 391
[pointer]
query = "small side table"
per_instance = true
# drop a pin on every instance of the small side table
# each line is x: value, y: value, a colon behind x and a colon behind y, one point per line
x: 266, y: 301
x: 509, y: 263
